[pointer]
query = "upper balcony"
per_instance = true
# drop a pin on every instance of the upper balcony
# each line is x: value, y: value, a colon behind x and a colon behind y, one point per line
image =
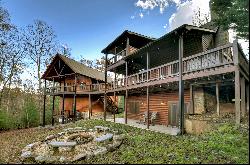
x: 216, y: 61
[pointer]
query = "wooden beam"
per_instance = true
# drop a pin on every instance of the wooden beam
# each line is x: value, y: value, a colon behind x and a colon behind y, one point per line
x: 105, y: 89
x: 148, y: 65
x: 243, y: 96
x: 181, y: 85
x: 63, y: 100
x: 148, y: 107
x: 74, y: 109
x: 126, y: 95
x: 90, y: 106
x: 127, y: 47
x: 218, y: 98
x: 191, y: 99
x: 115, y: 104
x: 126, y: 107
x: 247, y: 97
x: 237, y: 97
x: 44, y: 103
x: 53, y: 105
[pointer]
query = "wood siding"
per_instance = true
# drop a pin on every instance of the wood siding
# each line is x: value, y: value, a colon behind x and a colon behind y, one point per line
x: 82, y: 105
x: 157, y: 103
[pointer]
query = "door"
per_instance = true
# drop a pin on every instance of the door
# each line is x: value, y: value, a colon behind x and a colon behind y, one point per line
x: 174, y: 112
x: 173, y: 115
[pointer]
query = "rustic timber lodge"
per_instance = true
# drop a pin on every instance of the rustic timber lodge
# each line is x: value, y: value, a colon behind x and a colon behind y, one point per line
x: 213, y: 77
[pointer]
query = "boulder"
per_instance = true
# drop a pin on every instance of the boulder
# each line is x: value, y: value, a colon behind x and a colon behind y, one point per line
x: 103, y: 138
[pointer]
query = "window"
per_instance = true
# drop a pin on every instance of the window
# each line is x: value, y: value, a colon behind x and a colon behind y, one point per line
x: 134, y: 107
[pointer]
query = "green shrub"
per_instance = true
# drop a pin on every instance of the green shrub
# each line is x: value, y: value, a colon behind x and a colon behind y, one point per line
x: 30, y: 114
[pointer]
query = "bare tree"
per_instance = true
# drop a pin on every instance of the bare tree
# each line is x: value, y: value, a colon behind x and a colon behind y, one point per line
x: 98, y: 64
x: 11, y: 62
x: 40, y: 44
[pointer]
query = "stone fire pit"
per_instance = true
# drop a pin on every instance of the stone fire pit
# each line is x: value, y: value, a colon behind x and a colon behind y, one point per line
x: 73, y: 144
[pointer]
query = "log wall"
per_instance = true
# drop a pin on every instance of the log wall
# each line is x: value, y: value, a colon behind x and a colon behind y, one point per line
x: 158, y: 102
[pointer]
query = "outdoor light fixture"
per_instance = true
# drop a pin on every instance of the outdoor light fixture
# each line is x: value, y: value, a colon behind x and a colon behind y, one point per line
x: 162, y: 103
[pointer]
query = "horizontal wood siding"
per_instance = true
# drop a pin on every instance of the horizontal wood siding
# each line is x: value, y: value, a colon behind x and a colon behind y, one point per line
x: 82, y: 105
x: 158, y: 103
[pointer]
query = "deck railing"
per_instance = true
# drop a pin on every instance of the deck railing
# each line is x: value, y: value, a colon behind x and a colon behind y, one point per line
x: 213, y: 58
x: 117, y: 57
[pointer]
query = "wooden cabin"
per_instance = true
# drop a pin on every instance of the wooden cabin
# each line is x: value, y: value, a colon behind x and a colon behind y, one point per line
x: 79, y: 87
x: 213, y: 77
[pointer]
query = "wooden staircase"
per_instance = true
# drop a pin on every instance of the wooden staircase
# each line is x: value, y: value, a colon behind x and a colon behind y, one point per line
x: 111, y: 106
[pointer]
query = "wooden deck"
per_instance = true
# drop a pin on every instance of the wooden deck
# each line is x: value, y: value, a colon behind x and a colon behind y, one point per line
x: 216, y: 61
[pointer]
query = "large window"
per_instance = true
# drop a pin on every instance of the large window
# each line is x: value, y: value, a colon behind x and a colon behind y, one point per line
x: 134, y: 107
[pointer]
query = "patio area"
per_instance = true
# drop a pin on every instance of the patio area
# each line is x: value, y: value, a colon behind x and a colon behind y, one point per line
x: 156, y: 128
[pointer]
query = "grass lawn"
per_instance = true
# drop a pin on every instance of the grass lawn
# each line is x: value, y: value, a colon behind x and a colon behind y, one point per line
x: 226, y: 144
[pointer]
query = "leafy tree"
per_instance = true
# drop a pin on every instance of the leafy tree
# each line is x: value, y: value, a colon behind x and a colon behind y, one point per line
x: 232, y: 14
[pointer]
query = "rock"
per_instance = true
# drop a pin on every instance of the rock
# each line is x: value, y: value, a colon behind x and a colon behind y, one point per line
x: 79, y: 157
x: 104, y: 138
x: 118, y: 137
x: 61, y: 133
x: 78, y: 128
x: 62, y: 159
x: 110, y: 147
x: 50, y: 137
x: 41, y: 158
x: 100, y: 151
x: 52, y: 159
x: 26, y: 154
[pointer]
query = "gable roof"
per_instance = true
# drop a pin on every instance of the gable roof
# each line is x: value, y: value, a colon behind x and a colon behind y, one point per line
x: 127, y: 33
x: 80, y: 68
x: 180, y: 28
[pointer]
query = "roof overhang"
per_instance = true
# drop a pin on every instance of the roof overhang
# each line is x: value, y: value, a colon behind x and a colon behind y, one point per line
x: 127, y: 34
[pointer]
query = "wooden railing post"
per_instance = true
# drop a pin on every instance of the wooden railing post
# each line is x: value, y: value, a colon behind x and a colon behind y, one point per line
x: 235, y: 52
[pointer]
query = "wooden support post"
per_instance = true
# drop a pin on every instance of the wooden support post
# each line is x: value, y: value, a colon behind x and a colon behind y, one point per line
x: 53, y: 104
x: 44, y: 103
x: 218, y: 98
x: 126, y: 107
x: 247, y: 97
x: 63, y: 100
x: 237, y: 96
x: 148, y: 107
x: 181, y: 87
x: 105, y: 89
x: 243, y: 96
x: 191, y: 99
x: 90, y: 106
x: 127, y: 47
x: 126, y: 96
x: 148, y: 90
x: 115, y: 105
x: 74, y: 109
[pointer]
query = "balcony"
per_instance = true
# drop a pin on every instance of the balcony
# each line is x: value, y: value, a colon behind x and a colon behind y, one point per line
x: 215, y: 61
x: 78, y: 89
x: 212, y: 62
